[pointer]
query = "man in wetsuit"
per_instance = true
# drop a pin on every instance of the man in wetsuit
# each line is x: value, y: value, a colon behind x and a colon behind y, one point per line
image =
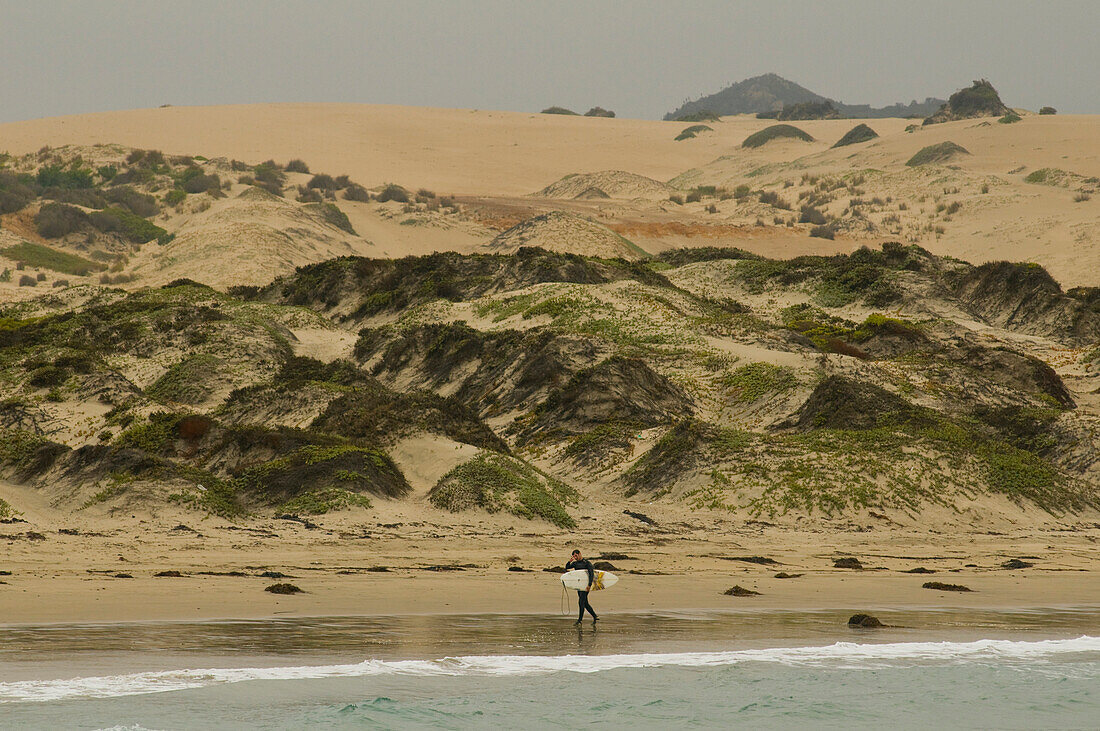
x: 578, y: 562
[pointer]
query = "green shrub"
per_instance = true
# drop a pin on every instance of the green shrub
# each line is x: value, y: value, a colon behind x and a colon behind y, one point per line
x: 935, y: 154
x: 26, y: 280
x: 1009, y: 118
x: 297, y: 166
x: 1048, y: 110
x: 756, y: 380
x: 393, y: 192
x: 54, y: 176
x: 559, y: 110
x: 175, y: 196
x: 599, y: 112
x: 859, y: 133
x: 322, y: 182
x: 775, y: 132
x: 138, y: 203
x: 689, y: 132
x: 355, y: 192
x: 700, y: 116
x: 43, y: 257
x: 55, y: 220
x: 188, y: 382
x: 134, y: 228
x: 823, y: 232
x: 497, y: 482
x: 809, y: 214
x: 333, y: 216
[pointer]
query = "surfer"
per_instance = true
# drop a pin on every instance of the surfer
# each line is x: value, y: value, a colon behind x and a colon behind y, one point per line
x: 579, y: 562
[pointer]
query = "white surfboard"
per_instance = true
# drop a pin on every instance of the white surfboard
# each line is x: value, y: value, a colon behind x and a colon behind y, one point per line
x: 577, y: 579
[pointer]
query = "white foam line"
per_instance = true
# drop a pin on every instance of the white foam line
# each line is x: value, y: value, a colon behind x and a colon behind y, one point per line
x: 847, y: 655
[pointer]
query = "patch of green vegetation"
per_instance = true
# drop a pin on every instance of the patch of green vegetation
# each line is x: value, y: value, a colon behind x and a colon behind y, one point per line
x: 133, y: 227
x: 175, y: 196
x: 689, y: 132
x: 599, y: 441
x: 56, y: 176
x: 7, y: 511
x: 333, y: 216
x: 936, y: 154
x: 1010, y: 118
x: 117, y: 483
x: 326, y: 500
x: 151, y: 436
x: 188, y: 382
x: 979, y: 99
x: 17, y: 446
x: 344, y: 467
x: 43, y: 257
x: 854, y: 136
x: 836, y: 281
x: 700, y: 116
x: 775, y: 132
x: 497, y: 482
x: 559, y: 110
x: 753, y: 381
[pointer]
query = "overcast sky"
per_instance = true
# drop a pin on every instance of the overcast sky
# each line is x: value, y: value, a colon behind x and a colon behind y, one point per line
x: 641, y: 59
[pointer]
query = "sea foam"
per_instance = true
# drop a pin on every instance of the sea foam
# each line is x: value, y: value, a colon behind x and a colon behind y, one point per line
x: 846, y: 655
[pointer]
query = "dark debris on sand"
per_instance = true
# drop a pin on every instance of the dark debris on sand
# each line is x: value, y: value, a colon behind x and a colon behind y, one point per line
x: 283, y: 589
x: 785, y: 575
x: 940, y: 586
x: 1016, y: 564
x: 864, y: 620
x: 848, y: 562
x: 738, y: 590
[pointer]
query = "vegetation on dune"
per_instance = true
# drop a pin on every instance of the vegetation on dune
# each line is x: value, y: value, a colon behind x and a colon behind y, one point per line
x: 39, y: 256
x: 333, y: 216
x: 1009, y: 118
x: 753, y: 381
x: 559, y: 110
x: 1048, y: 110
x: 689, y: 132
x: 854, y: 136
x: 936, y: 154
x: 496, y: 482
x: 775, y: 132
x: 835, y: 280
x: 599, y: 112
x: 700, y: 116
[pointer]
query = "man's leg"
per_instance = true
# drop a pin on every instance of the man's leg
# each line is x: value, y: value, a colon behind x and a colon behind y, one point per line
x: 582, y: 602
x: 589, y: 608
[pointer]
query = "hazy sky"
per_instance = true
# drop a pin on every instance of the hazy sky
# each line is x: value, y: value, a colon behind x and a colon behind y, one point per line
x: 641, y: 59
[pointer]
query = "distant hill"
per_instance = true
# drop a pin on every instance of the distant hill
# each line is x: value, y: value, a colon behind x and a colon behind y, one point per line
x: 771, y: 92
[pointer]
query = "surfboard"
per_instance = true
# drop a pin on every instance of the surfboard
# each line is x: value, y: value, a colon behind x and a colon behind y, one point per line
x: 577, y: 579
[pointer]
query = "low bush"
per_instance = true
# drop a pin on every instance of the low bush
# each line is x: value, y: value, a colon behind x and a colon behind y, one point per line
x: 44, y: 257
x: 700, y: 116
x: 599, y: 112
x: 55, y: 220
x: 822, y: 232
x: 859, y: 133
x: 559, y: 110
x: 1009, y: 118
x: 175, y: 196
x: 775, y: 132
x: 357, y: 193
x: 809, y: 214
x: 138, y: 203
x: 1048, y: 110
x: 134, y: 228
x: 934, y: 154
x: 297, y: 166
x: 689, y: 132
x: 54, y: 176
x: 27, y: 281
x: 322, y: 181
x: 393, y: 192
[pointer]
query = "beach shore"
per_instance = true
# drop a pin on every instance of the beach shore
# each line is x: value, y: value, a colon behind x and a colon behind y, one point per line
x: 349, y: 566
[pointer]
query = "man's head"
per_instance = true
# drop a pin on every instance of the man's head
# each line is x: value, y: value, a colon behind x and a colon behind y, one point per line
x: 576, y: 554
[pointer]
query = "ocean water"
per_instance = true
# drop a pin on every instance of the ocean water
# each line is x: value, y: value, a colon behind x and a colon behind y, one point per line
x: 706, y: 670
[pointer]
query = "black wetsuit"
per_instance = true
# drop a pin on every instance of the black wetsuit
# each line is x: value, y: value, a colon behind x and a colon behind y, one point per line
x: 582, y: 596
